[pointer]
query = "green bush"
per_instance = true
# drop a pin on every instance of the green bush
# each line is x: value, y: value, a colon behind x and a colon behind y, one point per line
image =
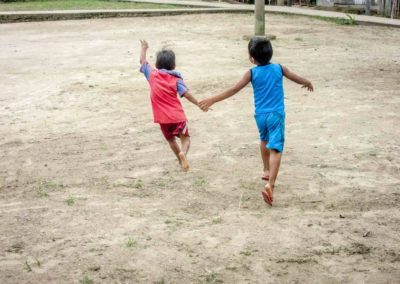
x: 7, y: 1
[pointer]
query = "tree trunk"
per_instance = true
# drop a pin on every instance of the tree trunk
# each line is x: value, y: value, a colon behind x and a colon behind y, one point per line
x: 394, y: 9
x: 381, y: 6
x: 368, y: 7
x: 388, y: 8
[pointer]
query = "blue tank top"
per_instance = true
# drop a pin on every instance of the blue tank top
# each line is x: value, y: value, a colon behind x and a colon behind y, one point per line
x: 268, y: 88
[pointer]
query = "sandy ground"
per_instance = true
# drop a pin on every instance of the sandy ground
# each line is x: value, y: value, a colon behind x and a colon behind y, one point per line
x: 89, y: 189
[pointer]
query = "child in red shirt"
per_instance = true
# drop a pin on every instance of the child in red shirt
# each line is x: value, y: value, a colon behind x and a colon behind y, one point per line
x: 165, y: 83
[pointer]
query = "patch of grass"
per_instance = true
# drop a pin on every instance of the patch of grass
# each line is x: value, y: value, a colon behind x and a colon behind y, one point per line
x: 217, y: 220
x: 86, y: 280
x: 350, y: 20
x: 34, y: 5
x: 231, y: 268
x: 139, y: 184
x: 42, y: 192
x: 164, y: 181
x: 212, y: 278
x: 358, y: 248
x: 299, y: 260
x: 245, y: 252
x: 199, y: 182
x: 248, y: 251
x: 175, y: 222
x: 70, y: 200
x: 104, y: 147
x: 355, y: 248
x: 44, y: 186
x: 161, y: 281
x: 131, y: 243
x: 298, y: 39
x: 331, y: 207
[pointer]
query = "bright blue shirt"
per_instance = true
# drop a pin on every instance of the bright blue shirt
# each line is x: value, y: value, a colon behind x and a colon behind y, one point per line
x: 267, y: 81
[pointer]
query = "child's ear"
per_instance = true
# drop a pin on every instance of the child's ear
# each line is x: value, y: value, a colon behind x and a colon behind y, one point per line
x: 252, y: 60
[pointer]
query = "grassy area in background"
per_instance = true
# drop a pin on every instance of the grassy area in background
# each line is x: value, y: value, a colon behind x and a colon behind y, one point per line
x: 34, y: 5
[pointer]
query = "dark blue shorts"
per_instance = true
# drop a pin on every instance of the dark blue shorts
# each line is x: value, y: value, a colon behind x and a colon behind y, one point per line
x: 271, y: 127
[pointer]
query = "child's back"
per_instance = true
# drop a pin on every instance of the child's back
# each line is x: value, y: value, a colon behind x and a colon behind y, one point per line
x: 167, y: 108
x: 268, y: 88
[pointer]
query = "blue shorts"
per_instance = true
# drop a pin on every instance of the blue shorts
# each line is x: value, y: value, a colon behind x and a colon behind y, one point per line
x: 271, y: 127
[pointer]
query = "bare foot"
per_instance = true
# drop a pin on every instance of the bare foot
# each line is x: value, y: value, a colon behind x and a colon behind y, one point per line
x: 184, y: 162
x: 267, y: 194
x: 265, y: 176
x: 269, y: 189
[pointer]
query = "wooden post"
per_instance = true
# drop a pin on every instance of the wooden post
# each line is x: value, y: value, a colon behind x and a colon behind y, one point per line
x: 259, y: 12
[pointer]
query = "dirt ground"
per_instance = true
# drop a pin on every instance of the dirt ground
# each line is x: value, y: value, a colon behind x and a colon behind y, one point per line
x: 89, y: 189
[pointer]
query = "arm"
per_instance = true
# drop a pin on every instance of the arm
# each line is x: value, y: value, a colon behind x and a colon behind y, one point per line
x: 297, y: 79
x: 206, y: 103
x: 183, y: 91
x: 190, y: 98
x: 144, y: 46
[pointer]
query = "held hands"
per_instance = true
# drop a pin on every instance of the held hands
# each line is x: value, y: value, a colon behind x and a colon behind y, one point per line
x: 202, y: 108
x: 205, y: 104
x: 308, y: 86
x: 144, y: 44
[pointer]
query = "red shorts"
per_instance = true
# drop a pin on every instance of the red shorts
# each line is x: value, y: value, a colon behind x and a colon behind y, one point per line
x: 170, y: 130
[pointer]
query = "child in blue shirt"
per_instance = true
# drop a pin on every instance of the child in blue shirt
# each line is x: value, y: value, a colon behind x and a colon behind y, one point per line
x: 266, y: 79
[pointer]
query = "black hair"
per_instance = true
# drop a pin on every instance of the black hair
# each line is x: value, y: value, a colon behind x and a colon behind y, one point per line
x: 261, y: 50
x: 165, y: 59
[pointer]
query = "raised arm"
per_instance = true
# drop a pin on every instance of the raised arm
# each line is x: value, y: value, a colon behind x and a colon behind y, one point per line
x: 297, y: 79
x: 143, y: 51
x: 206, y: 103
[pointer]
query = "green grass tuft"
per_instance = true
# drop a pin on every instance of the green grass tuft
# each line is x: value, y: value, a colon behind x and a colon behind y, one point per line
x: 86, y: 280
x: 130, y: 243
x: 70, y: 200
x: 49, y: 5
x: 44, y: 186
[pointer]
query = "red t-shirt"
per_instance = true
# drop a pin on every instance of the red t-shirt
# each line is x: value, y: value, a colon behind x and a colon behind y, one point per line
x: 164, y: 87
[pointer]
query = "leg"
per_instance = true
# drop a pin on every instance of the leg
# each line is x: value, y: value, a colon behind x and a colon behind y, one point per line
x: 185, y: 140
x: 274, y: 163
x: 276, y: 129
x: 175, y: 147
x: 265, y: 153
